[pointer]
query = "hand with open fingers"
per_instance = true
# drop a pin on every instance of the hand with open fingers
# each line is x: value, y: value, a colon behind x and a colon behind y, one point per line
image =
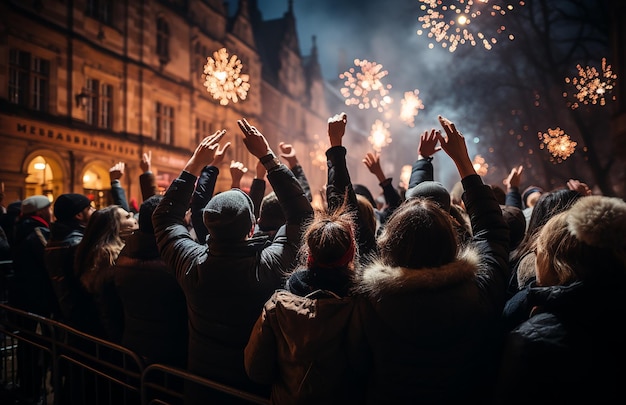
x: 514, y: 178
x: 288, y: 153
x: 372, y: 162
x: 578, y: 186
x: 146, y: 161
x: 428, y: 144
x: 117, y: 171
x: 220, y: 154
x: 237, y: 170
x: 205, y: 152
x: 337, y: 128
x: 453, y: 143
x: 254, y: 140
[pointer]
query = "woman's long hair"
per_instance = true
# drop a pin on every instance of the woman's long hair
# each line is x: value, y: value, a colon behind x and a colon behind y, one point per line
x: 418, y: 234
x: 100, y: 246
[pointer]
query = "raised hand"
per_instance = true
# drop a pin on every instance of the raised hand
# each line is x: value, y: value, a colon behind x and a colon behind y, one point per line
x: 428, y: 144
x: 117, y: 171
x: 453, y: 143
x: 220, y: 153
x: 254, y: 140
x: 514, y: 178
x: 146, y: 161
x: 372, y: 162
x: 237, y: 170
x: 336, y: 128
x: 288, y: 153
x: 205, y: 152
x: 577, y: 185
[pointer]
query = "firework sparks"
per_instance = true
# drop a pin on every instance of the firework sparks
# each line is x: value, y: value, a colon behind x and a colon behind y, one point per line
x: 223, y: 78
x: 318, y: 154
x: 380, y: 135
x: 592, y: 86
x: 558, y: 143
x: 364, y: 88
x: 480, y: 165
x: 455, y: 22
x: 411, y: 104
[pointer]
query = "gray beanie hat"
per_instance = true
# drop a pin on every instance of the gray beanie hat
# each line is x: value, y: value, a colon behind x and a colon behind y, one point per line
x: 33, y: 204
x: 432, y: 190
x: 229, y: 215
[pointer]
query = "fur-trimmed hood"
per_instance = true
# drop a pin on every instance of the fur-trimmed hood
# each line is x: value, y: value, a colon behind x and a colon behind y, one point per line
x: 379, y: 279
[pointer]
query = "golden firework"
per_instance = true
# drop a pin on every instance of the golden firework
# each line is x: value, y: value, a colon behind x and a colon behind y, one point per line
x: 591, y: 85
x: 454, y: 23
x: 363, y: 86
x: 379, y: 135
x: 410, y: 106
x: 480, y: 165
x: 558, y: 143
x: 318, y: 154
x: 223, y: 78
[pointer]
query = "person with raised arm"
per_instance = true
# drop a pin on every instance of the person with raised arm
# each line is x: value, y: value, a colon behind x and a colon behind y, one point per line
x: 429, y: 308
x: 227, y: 281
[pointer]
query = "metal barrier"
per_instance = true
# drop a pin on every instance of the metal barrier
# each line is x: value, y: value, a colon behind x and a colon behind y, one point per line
x: 61, y: 365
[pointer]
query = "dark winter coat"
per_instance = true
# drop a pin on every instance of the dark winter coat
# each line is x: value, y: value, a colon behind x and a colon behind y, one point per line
x: 226, y: 285
x: 31, y: 288
x: 432, y: 332
x: 155, y: 311
x: 571, y: 349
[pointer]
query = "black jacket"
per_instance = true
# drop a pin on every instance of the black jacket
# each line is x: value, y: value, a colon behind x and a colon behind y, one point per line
x: 226, y: 285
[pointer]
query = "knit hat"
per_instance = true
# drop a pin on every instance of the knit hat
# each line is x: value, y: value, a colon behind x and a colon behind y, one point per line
x: 528, y: 191
x: 432, y: 190
x: 229, y: 215
x: 68, y: 205
x: 35, y: 203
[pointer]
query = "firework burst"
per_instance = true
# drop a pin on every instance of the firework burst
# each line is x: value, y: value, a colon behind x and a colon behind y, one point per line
x: 456, y: 22
x: 591, y: 85
x: 318, y: 154
x: 410, y: 106
x: 363, y: 86
x: 223, y: 78
x: 379, y: 135
x: 558, y: 143
x: 480, y: 165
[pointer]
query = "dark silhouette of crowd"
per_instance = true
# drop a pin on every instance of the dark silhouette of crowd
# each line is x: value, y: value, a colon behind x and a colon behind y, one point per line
x: 482, y: 294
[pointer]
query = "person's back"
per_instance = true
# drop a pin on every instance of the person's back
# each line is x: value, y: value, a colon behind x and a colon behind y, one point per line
x: 227, y: 282
x: 72, y: 212
x: 568, y: 348
x: 155, y: 311
x: 429, y: 309
x: 31, y: 287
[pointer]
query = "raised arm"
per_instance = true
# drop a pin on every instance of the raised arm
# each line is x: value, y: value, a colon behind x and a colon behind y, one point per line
x: 288, y: 152
x: 117, y: 191
x: 147, y: 181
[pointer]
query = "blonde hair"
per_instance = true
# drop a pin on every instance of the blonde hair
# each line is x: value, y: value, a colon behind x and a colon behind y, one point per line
x: 584, y: 243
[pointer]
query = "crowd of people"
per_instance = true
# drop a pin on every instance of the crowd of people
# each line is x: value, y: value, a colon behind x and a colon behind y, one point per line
x: 482, y: 294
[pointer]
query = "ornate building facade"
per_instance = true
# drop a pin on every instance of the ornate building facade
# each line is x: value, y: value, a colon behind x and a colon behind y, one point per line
x: 85, y: 84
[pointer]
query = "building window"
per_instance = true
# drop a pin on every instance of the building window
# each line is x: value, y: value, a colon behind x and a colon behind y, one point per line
x: 203, y: 129
x: 99, y: 109
x: 100, y: 10
x: 163, y: 38
x: 29, y: 80
x: 163, y: 130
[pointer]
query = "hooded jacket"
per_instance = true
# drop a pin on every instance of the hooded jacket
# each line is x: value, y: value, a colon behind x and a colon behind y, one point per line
x: 432, y: 333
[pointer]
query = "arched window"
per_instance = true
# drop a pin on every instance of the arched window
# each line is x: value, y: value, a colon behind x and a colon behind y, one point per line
x: 163, y: 39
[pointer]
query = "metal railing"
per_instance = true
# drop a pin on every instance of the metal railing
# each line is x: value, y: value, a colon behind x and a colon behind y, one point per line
x: 45, y: 361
